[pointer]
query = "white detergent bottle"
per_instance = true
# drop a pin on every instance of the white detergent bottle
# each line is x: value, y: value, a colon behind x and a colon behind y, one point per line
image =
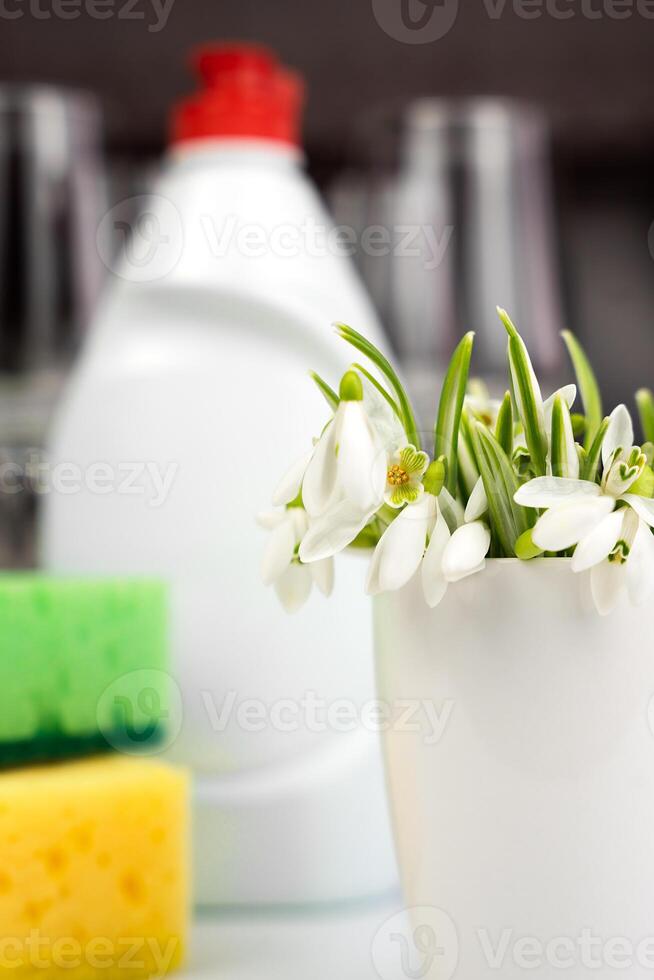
x: 190, y: 400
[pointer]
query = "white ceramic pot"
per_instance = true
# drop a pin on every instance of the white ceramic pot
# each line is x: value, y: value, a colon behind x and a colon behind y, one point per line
x: 521, y: 768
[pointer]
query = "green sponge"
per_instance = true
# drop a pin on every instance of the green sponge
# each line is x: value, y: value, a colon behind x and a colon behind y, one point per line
x: 82, y: 665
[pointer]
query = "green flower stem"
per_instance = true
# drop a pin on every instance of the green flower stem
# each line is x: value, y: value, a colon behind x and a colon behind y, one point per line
x: 592, y: 461
x: 387, y: 514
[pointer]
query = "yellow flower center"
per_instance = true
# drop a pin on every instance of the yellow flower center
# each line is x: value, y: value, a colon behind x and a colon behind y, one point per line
x: 396, y: 476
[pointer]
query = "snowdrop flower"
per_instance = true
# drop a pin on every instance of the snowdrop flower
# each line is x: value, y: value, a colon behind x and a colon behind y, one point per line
x: 334, y: 530
x: 486, y: 409
x: 403, y: 477
x: 479, y: 403
x: 281, y: 566
x: 420, y: 537
x: 289, y: 487
x: 384, y: 421
x: 629, y: 567
x: 348, y: 463
x: 568, y: 394
x: 583, y: 515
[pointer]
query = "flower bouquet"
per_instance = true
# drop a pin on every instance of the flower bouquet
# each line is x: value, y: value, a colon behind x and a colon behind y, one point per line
x: 523, y: 817
x: 519, y: 477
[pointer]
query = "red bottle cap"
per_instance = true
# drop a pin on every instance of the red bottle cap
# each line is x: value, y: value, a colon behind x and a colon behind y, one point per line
x: 246, y: 94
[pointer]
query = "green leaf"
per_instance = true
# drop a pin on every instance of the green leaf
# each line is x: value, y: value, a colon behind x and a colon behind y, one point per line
x: 504, y: 425
x: 359, y: 342
x: 527, y: 395
x: 591, y: 463
x: 468, y: 472
x: 328, y: 393
x: 507, y: 519
x: 563, y: 452
x: 645, y: 402
x: 588, y: 387
x: 446, y: 432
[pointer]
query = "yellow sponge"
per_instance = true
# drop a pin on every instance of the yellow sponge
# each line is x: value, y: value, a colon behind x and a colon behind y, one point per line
x: 93, y: 869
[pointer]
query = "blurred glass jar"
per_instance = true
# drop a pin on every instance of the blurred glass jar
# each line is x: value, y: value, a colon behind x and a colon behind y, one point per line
x: 52, y: 197
x: 457, y: 198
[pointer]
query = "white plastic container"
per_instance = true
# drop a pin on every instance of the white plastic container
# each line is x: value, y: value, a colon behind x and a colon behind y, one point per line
x: 196, y: 366
x: 524, y: 813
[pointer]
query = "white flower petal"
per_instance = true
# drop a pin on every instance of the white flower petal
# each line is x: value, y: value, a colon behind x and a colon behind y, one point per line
x: 434, y: 583
x: 565, y: 525
x: 372, y: 578
x: 606, y: 583
x: 278, y: 552
x: 568, y: 393
x: 553, y: 491
x: 294, y: 587
x: 322, y: 573
x: 451, y: 509
x: 478, y: 502
x: 401, y: 547
x: 640, y: 566
x: 290, y: 484
x: 465, y: 551
x: 269, y: 519
x: 620, y: 433
x: 332, y: 532
x: 319, y: 482
x: 599, y: 543
x: 643, y: 506
x: 361, y: 461
x: 300, y: 520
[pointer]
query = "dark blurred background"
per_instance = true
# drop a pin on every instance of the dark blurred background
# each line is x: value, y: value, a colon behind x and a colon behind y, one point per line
x: 587, y: 64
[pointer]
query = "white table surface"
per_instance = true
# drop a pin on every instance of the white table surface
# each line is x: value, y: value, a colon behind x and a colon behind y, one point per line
x: 331, y: 944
